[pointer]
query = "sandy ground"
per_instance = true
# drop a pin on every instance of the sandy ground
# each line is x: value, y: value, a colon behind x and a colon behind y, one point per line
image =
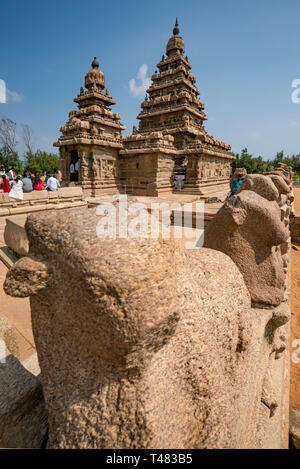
x: 295, y: 322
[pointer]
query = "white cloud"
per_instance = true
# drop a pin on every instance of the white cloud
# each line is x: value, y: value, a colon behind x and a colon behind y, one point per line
x: 145, y: 82
x: 2, y: 92
x: 294, y: 124
x: 255, y: 134
x: 14, y: 96
x: 7, y: 95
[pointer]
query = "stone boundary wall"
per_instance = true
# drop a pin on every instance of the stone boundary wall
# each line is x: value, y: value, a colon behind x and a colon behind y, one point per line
x: 36, y: 201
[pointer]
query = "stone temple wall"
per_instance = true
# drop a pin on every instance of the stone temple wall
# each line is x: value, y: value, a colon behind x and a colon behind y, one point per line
x: 183, y: 351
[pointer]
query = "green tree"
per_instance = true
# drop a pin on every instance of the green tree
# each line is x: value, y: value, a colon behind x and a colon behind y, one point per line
x: 259, y: 165
x: 41, y: 161
x: 244, y: 161
x: 10, y: 159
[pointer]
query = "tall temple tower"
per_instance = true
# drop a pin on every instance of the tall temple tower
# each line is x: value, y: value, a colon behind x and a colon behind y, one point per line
x: 92, y: 138
x: 171, y: 134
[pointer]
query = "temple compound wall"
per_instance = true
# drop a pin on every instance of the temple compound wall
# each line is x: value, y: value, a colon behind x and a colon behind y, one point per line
x: 170, y: 140
x: 184, y: 351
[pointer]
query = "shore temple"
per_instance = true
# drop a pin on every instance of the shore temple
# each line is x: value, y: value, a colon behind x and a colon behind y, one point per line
x: 171, y: 138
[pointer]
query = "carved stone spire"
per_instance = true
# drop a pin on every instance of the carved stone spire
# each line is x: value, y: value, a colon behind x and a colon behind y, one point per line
x: 95, y: 63
x: 94, y: 79
x: 176, y: 28
x: 175, y: 43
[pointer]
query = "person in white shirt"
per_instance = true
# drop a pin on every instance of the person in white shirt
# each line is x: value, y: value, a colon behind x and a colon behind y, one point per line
x: 52, y: 184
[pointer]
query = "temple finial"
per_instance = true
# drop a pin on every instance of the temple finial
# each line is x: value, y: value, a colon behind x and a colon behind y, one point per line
x: 95, y: 63
x: 176, y: 29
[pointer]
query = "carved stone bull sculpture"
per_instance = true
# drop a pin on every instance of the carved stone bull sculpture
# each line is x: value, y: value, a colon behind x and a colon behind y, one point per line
x: 141, y: 344
x: 249, y: 228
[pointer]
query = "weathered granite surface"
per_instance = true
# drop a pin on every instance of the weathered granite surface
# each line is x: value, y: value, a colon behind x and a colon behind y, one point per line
x: 146, y: 344
x: 250, y: 228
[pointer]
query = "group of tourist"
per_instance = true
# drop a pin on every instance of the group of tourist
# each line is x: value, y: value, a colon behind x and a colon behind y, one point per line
x: 16, y: 185
x: 235, y: 184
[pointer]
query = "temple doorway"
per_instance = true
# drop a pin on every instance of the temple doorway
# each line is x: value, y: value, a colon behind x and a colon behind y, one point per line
x: 179, y: 173
x: 74, y: 166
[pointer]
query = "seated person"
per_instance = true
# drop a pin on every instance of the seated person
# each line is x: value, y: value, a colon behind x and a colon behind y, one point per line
x: 5, y: 187
x: 236, y: 184
x: 27, y: 184
x: 38, y: 183
x: 52, y: 184
x: 16, y: 188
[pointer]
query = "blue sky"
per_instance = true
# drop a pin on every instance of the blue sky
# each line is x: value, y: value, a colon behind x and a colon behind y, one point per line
x: 244, y: 53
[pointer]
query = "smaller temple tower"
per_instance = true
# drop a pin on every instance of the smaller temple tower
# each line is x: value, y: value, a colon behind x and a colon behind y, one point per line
x: 91, y: 139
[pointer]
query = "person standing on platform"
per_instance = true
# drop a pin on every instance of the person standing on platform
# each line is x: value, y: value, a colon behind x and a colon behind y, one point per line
x: 11, y: 174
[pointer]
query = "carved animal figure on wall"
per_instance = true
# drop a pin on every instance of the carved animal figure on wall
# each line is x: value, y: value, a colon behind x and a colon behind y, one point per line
x: 249, y: 229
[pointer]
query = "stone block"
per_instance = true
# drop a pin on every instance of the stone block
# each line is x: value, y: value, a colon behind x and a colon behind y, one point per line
x: 53, y: 205
x: 15, y: 235
x: 68, y: 192
x: 4, y: 198
x: 27, y: 209
x: 35, y: 195
x: 4, y: 212
x: 80, y: 203
x: 53, y: 194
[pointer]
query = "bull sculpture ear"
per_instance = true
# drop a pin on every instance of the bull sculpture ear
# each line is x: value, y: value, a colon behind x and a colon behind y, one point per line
x: 26, y: 278
x: 238, y: 216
